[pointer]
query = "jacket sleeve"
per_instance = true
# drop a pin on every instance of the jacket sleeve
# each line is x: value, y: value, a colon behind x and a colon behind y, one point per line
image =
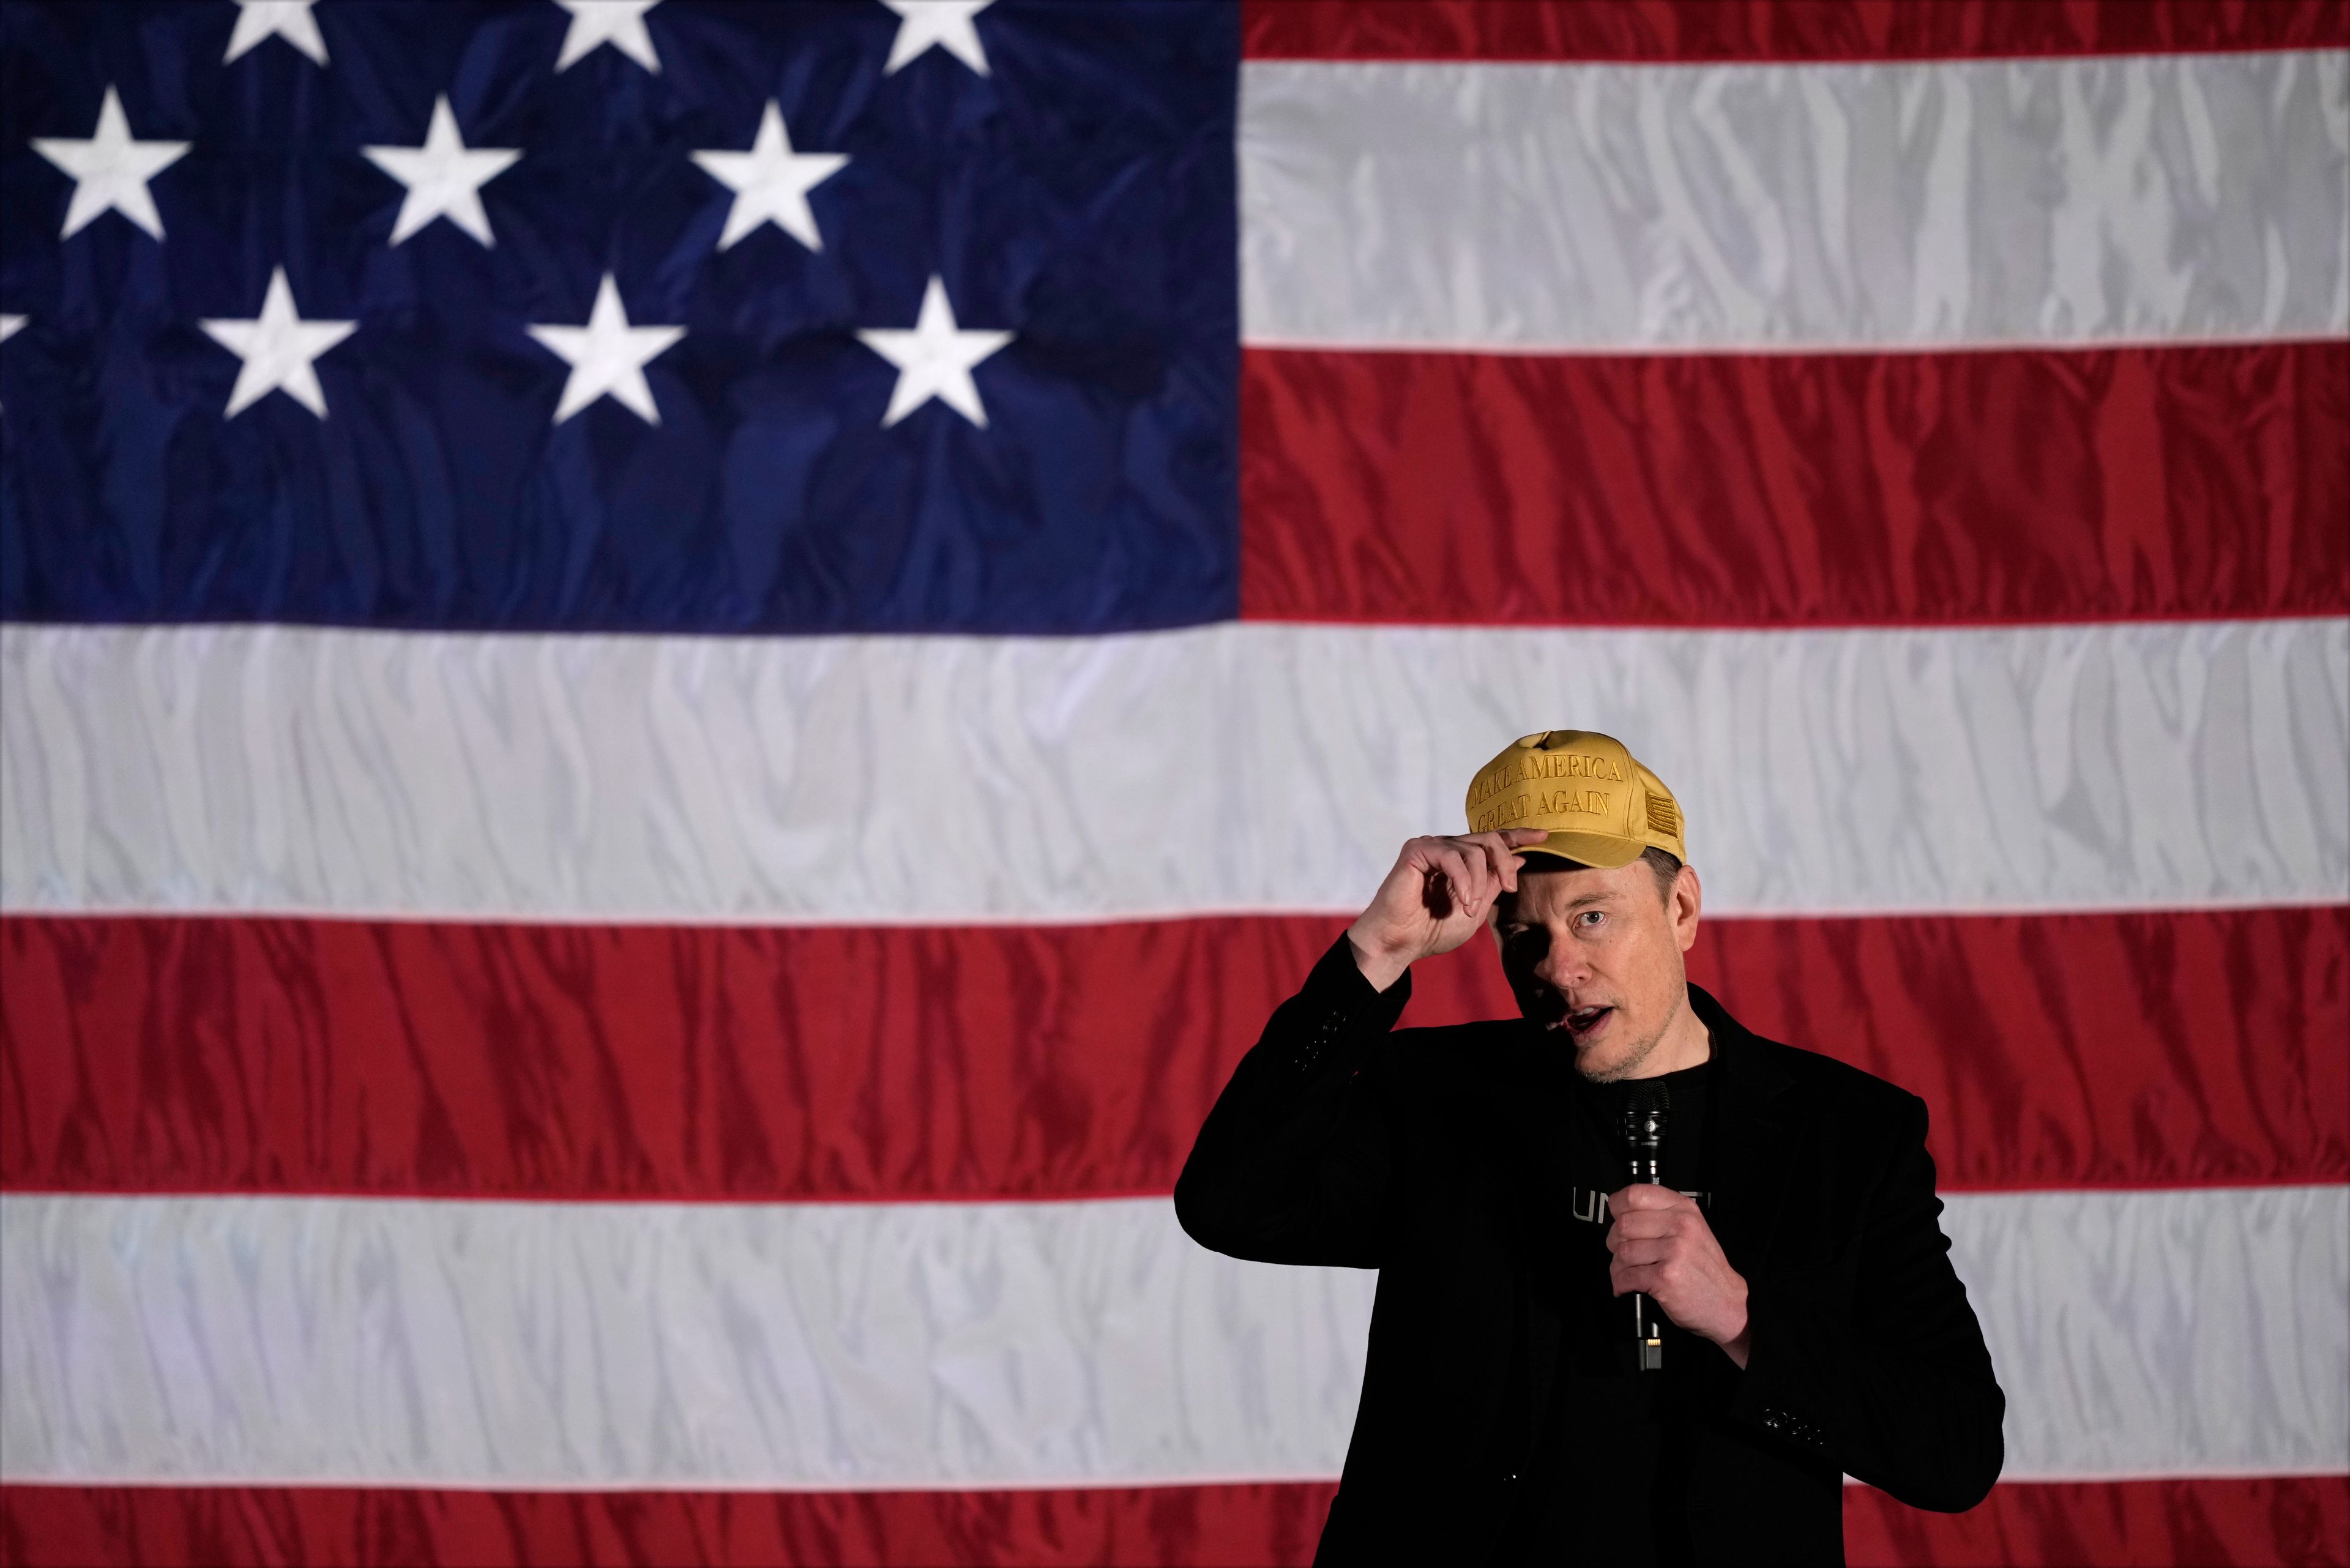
x: 1296, y: 1160
x: 1879, y: 1365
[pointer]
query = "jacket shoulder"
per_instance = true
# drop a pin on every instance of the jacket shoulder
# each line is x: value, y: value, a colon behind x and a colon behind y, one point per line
x: 1826, y: 1080
x: 1453, y: 1053
x: 1774, y: 1064
x: 1445, y: 1036
x: 1447, y: 1041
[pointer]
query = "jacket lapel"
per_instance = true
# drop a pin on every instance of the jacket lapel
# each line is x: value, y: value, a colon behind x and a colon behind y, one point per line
x: 1753, y: 1132
x: 1549, y: 1161
x: 1548, y: 1144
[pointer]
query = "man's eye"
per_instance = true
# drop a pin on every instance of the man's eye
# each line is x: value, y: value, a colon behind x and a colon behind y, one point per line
x: 1590, y: 918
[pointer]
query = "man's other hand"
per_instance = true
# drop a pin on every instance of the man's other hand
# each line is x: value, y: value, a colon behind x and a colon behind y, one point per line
x: 1660, y: 1246
x: 1439, y: 894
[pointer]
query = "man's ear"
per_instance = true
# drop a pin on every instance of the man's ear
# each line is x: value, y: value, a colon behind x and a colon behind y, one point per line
x: 1687, y: 905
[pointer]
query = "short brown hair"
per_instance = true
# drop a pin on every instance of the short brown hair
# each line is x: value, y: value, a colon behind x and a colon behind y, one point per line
x: 1662, y: 864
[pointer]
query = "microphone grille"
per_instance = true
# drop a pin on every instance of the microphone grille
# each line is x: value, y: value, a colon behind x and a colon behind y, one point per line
x: 1648, y: 1094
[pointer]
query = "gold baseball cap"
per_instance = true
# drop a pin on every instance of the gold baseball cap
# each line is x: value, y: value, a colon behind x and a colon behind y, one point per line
x: 1599, y: 804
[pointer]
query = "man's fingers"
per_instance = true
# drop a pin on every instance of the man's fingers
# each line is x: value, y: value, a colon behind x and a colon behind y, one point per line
x: 1636, y: 1249
x: 1646, y: 1224
x: 1643, y: 1195
x: 1489, y: 881
x: 1482, y: 880
x: 1476, y: 867
x: 1479, y: 848
x: 1626, y: 1278
x: 1429, y: 858
x: 1436, y: 892
x: 1500, y: 858
x: 1457, y: 877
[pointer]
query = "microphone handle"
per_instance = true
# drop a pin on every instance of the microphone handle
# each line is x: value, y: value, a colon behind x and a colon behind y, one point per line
x: 1648, y: 1335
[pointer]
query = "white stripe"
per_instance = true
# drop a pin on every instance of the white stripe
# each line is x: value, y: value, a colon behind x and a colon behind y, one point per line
x: 1239, y: 767
x: 878, y: 1345
x: 1592, y: 208
x: 496, y: 1344
x: 2187, y: 1333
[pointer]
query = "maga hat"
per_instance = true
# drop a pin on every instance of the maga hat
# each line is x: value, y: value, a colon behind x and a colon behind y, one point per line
x: 1600, y: 804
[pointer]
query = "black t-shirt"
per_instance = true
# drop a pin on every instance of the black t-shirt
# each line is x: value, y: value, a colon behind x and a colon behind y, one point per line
x: 1609, y: 1462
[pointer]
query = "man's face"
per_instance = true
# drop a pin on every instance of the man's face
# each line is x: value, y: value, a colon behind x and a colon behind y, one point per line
x: 1595, y: 958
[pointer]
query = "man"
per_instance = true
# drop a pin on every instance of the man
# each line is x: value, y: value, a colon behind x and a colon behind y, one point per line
x: 1810, y: 1324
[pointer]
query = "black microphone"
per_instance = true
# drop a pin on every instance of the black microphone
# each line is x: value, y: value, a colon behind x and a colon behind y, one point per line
x: 1645, y: 1110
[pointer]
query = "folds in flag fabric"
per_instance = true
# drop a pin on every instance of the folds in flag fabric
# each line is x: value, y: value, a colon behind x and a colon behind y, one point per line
x: 677, y: 677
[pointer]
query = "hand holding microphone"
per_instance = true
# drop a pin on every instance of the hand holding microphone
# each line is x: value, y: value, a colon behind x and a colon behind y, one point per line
x: 1661, y: 1248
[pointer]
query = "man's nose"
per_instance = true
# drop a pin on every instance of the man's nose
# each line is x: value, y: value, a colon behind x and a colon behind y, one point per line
x: 1562, y: 967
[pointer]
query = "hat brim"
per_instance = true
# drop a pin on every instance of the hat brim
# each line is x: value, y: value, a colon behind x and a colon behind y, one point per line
x: 1600, y: 851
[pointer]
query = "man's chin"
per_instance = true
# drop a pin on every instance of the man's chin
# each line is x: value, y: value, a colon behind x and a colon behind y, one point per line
x: 1608, y: 1052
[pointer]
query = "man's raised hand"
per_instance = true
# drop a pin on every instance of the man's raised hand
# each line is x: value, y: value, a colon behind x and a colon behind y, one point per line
x: 1439, y: 894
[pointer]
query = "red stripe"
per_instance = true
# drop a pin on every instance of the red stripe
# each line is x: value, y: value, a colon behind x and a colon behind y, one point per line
x: 2280, y: 1521
x: 1796, y: 490
x: 1667, y: 30
x: 198, y: 1055
x: 159, y: 1527
x: 2300, y: 1520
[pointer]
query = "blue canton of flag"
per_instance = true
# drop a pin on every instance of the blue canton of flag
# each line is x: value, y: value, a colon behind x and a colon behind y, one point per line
x: 634, y: 314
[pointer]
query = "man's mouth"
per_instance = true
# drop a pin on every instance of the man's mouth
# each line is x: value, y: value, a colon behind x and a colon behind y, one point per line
x: 1584, y: 1020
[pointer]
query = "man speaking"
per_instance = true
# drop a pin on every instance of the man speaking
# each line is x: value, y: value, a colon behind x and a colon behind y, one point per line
x: 1649, y: 1285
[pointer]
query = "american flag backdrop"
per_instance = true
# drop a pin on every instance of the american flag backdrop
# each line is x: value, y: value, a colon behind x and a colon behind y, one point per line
x: 679, y: 676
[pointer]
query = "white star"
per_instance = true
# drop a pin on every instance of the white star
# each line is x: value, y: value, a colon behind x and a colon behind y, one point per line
x: 444, y: 177
x: 110, y: 170
x: 922, y: 23
x: 288, y: 20
x: 935, y: 359
x: 619, y: 23
x: 607, y: 355
x: 277, y: 348
x: 771, y: 182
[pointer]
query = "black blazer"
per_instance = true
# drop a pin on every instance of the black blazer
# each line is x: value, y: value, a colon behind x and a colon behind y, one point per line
x: 1421, y: 1154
